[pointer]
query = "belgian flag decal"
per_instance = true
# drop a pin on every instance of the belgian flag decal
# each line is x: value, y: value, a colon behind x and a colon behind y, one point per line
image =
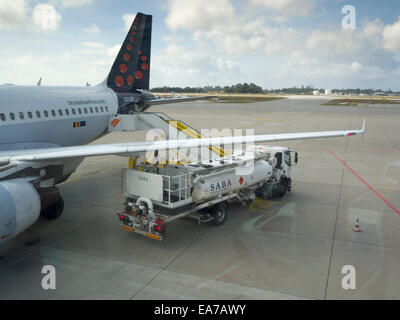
x: 78, y: 124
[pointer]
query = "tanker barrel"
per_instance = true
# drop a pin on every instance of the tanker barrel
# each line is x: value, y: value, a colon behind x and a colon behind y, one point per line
x: 226, y: 181
x: 229, y: 165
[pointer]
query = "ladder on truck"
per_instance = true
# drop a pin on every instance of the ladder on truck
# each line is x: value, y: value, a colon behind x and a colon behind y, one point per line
x: 159, y: 120
x: 193, y: 133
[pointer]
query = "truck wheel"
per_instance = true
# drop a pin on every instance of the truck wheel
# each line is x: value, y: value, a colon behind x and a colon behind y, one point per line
x: 219, y: 213
x: 283, y: 187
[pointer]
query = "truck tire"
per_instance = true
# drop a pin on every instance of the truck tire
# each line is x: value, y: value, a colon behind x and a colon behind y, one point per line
x: 219, y: 213
x: 282, y: 187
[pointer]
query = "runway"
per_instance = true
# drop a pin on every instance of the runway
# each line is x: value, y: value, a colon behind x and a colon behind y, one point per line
x: 293, y: 248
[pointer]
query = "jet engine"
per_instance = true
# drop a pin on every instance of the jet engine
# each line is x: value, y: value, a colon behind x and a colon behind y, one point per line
x: 19, y: 207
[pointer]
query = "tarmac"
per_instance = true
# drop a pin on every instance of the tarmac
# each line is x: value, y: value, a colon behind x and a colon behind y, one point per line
x: 292, y: 248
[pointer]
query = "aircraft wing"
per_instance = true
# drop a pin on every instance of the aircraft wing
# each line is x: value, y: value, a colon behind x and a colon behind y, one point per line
x: 47, y: 154
x: 175, y: 100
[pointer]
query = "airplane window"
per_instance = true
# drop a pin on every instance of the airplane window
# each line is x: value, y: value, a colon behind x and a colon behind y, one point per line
x: 53, y: 113
x: 91, y: 110
x: 96, y: 109
x: 2, y: 117
x: 12, y: 116
x: 73, y: 111
x: 46, y: 114
x: 21, y: 115
x: 85, y: 109
x: 79, y: 110
x: 30, y: 115
x: 60, y: 112
x: 67, y: 112
x: 101, y: 109
x: 38, y: 114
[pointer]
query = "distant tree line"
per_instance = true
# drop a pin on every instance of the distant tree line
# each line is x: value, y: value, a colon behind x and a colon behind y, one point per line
x: 253, y: 88
x: 244, y: 88
x: 237, y: 88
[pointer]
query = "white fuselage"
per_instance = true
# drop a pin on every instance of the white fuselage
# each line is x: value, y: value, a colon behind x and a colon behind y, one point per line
x: 42, y: 117
x: 46, y: 115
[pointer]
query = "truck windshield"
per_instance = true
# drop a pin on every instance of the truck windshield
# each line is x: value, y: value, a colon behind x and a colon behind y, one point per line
x: 288, y: 159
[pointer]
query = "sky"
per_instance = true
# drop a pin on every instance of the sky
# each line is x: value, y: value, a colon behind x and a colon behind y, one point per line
x: 273, y: 43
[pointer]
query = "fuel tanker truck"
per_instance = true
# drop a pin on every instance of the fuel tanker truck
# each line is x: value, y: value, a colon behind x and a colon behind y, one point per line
x: 158, y: 194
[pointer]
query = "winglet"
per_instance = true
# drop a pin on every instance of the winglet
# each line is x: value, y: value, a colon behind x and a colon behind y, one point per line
x: 363, y: 127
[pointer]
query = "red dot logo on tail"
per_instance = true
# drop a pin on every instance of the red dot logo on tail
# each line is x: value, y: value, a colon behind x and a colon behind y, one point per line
x: 123, y: 68
x: 129, y: 80
x: 138, y: 74
x: 119, y: 81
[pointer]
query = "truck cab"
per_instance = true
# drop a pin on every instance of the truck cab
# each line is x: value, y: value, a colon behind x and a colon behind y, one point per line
x: 281, y: 179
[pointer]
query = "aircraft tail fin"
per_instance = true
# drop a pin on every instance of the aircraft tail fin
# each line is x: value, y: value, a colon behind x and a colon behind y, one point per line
x: 131, y: 68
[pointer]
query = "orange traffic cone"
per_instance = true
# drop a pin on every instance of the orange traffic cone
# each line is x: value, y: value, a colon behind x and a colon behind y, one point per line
x: 357, y: 226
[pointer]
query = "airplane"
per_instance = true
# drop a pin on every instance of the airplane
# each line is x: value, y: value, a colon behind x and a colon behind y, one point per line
x: 44, y: 132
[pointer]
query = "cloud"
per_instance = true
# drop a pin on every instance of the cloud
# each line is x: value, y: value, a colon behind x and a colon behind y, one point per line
x: 30, y: 60
x: 332, y: 43
x: 67, y: 68
x: 94, y: 45
x: 26, y: 69
x: 301, y: 68
x: 186, y: 66
x: 391, y: 37
x: 285, y: 9
x: 281, y: 5
x: 373, y: 28
x: 92, y: 29
x: 45, y: 17
x: 72, y: 3
x: 128, y: 20
x: 251, y: 37
x: 199, y: 14
x: 13, y: 13
x: 100, y: 49
x: 218, y: 22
